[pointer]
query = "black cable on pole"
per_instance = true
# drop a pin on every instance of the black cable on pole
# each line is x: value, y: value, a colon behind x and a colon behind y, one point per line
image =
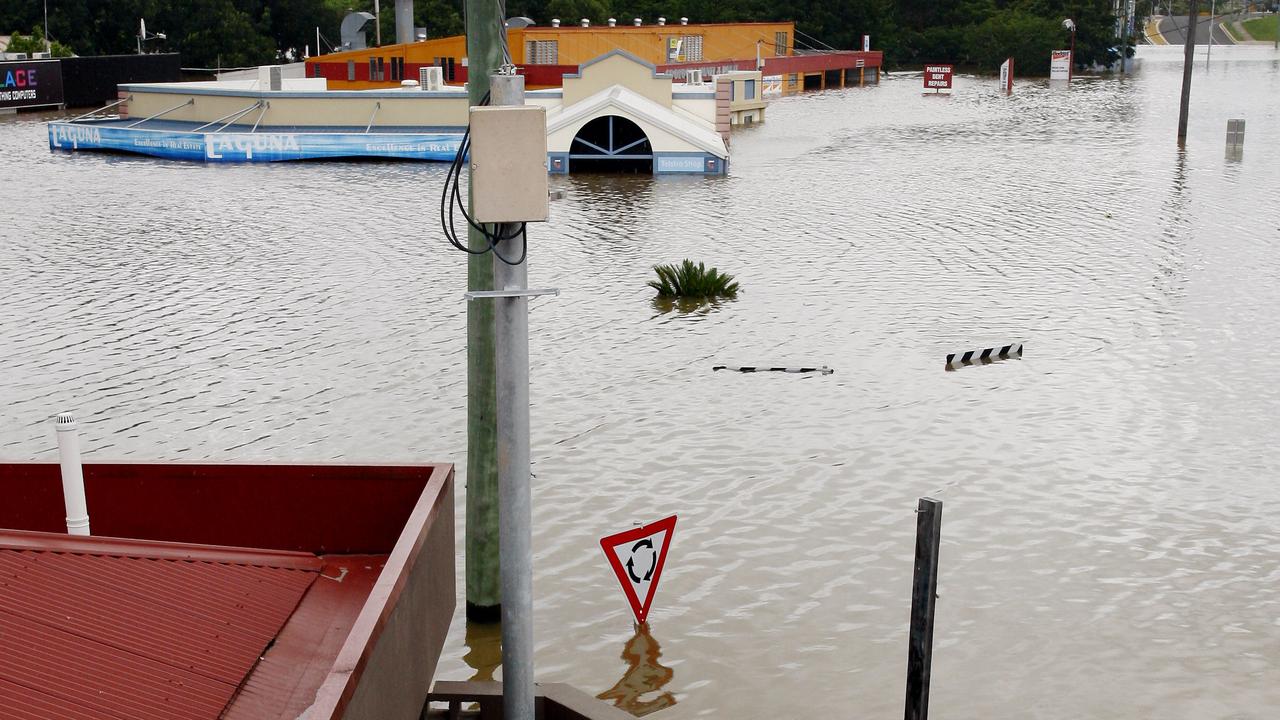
x: 451, y: 203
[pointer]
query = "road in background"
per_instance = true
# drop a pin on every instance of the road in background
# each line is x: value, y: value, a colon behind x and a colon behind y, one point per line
x: 1174, y: 30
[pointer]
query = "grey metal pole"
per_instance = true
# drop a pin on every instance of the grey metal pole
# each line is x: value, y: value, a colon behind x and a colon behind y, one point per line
x: 1188, y: 62
x: 515, y: 505
x: 1124, y: 34
x: 1213, y: 10
x: 48, y: 44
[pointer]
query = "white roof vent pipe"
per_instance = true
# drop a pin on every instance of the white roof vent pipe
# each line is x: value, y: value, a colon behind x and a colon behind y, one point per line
x: 613, y: 22
x: 637, y: 22
x: 586, y: 22
x: 684, y: 21
x: 555, y: 22
x: 72, y: 475
x: 662, y: 21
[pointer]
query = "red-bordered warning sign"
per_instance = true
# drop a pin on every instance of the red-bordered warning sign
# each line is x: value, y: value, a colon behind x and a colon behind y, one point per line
x: 637, y: 557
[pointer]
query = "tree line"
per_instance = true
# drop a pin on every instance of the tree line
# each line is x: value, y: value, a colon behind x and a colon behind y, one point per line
x: 978, y: 34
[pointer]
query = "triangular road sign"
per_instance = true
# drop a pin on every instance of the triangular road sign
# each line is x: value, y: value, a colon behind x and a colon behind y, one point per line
x: 637, y: 556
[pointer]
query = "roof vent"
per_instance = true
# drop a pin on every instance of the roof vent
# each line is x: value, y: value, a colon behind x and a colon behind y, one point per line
x: 662, y: 21
x: 637, y: 22
x: 613, y: 22
x: 586, y: 22
x: 555, y: 22
x: 684, y: 21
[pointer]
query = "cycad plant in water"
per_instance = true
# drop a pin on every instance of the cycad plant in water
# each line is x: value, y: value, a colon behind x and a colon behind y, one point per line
x: 688, y: 281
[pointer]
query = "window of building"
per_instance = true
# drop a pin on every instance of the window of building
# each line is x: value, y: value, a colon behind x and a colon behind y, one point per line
x: 780, y: 44
x: 351, y: 70
x: 733, y: 91
x: 750, y: 88
x: 542, y: 52
x: 373, y: 69
x: 382, y: 68
x: 397, y: 68
x: 692, y: 48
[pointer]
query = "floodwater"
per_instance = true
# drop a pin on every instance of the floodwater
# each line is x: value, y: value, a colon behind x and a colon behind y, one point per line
x: 1110, y: 541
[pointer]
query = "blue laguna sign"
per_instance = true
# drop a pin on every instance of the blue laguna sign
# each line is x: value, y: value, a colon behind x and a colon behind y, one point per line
x: 230, y: 147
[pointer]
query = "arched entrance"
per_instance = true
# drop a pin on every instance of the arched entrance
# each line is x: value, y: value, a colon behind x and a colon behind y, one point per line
x: 611, y: 143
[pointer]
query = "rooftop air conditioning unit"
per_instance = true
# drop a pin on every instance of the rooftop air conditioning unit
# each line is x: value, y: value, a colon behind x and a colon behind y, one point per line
x: 431, y: 78
x: 41, y: 56
x: 269, y: 77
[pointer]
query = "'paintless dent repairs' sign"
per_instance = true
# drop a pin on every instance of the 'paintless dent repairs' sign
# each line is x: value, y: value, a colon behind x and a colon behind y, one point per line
x: 30, y: 83
x: 937, y: 77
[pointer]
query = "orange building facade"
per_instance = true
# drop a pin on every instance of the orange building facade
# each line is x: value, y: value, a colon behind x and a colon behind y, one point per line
x: 546, y: 54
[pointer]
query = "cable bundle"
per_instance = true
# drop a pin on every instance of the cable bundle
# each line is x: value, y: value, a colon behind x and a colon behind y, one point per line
x: 451, y: 201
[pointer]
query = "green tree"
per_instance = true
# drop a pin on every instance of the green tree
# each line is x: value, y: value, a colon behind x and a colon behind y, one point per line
x: 34, y: 43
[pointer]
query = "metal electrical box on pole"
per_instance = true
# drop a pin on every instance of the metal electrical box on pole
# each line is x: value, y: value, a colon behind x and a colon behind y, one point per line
x: 509, y: 163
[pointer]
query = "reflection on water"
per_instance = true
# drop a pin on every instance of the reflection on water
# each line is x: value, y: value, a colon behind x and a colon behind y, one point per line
x: 484, y: 649
x: 643, y: 677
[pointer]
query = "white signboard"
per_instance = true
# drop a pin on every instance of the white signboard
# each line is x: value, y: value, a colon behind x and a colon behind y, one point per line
x: 866, y: 43
x: 1006, y: 76
x: 1060, y: 65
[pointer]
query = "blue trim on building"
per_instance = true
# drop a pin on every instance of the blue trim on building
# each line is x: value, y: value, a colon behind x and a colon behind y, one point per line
x: 262, y: 146
x: 558, y: 163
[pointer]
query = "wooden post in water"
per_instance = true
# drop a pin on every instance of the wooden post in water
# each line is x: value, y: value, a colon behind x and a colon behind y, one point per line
x: 924, y: 589
x: 1188, y: 57
x: 485, y: 40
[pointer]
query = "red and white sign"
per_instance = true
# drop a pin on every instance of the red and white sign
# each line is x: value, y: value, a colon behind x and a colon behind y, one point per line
x: 1006, y: 76
x: 937, y: 77
x: 637, y: 557
x: 1060, y: 65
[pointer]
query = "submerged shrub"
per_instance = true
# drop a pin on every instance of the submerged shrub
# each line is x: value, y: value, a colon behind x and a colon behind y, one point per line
x: 688, y: 280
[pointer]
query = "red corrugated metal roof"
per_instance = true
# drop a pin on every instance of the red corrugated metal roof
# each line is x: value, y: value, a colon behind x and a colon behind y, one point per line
x: 98, y: 628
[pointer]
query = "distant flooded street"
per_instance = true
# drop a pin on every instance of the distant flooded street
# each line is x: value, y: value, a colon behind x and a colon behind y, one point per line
x: 1109, y: 539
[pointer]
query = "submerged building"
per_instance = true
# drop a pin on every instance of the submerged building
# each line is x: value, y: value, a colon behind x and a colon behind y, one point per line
x: 545, y: 54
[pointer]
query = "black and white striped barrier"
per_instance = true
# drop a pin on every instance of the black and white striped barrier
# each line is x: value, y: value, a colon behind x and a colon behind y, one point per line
x: 985, y: 356
x: 824, y: 370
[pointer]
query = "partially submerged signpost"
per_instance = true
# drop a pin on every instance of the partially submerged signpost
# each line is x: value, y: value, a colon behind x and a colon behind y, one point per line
x: 637, y: 557
x: 1060, y: 66
x: 938, y: 78
x: 1006, y: 76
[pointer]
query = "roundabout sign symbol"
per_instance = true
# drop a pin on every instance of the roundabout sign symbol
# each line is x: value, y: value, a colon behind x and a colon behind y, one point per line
x: 637, y: 557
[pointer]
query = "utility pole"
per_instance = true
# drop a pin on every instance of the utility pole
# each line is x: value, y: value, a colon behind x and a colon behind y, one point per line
x: 484, y: 57
x: 1124, y: 35
x: 515, y: 501
x: 48, y: 44
x: 1188, y: 62
x: 377, y: 24
x: 1213, y: 12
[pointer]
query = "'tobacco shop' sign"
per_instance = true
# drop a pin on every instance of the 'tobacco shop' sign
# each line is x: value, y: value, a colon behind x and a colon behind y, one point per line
x: 937, y: 77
